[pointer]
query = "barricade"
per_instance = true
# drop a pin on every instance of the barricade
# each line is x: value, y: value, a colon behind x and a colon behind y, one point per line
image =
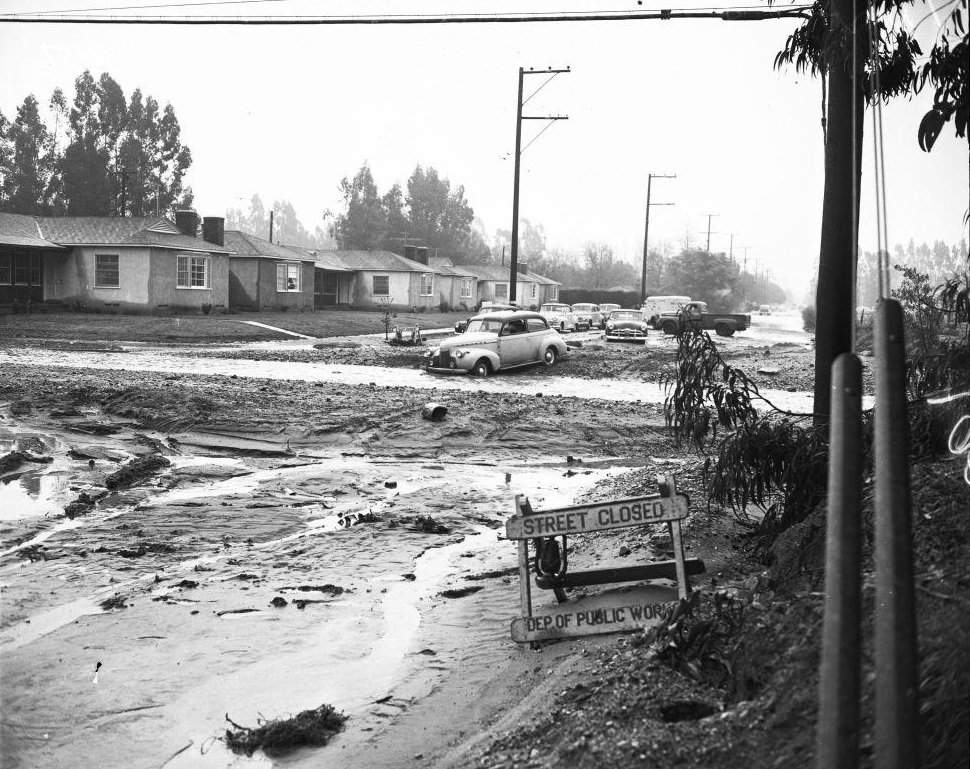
x: 551, y: 563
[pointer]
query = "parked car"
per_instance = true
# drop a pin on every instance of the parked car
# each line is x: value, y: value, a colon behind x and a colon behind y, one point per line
x: 497, y: 341
x: 486, y: 307
x: 695, y: 314
x: 559, y: 316
x: 606, y: 309
x: 626, y: 326
x: 587, y: 315
x: 765, y: 309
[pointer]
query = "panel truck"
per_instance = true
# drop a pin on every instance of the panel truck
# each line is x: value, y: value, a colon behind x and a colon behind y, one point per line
x: 695, y: 314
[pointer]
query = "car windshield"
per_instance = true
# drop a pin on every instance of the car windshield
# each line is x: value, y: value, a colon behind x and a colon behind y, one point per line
x: 555, y: 308
x: 484, y: 324
x: 626, y: 315
x: 584, y: 307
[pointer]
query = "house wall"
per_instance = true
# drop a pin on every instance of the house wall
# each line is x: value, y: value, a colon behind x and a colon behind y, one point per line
x: 163, y: 293
x: 243, y: 282
x: 448, y: 289
x: 75, y: 282
x: 271, y: 299
x: 403, y: 290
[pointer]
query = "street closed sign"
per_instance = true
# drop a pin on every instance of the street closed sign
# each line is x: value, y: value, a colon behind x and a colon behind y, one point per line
x: 599, y: 516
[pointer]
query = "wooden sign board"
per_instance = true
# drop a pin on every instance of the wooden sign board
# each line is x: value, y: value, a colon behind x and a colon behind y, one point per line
x: 633, y: 609
x: 582, y: 618
x: 599, y: 516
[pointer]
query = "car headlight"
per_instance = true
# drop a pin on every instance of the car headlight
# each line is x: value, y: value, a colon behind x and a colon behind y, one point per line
x: 461, y: 353
x: 610, y: 326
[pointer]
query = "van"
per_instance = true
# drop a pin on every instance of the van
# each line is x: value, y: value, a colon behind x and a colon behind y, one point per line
x: 654, y: 306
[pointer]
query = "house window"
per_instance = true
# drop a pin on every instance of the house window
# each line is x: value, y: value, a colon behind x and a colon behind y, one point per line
x: 22, y: 268
x: 534, y: 287
x: 382, y: 285
x: 427, y: 284
x: 106, y: 272
x: 465, y: 289
x: 554, y: 293
x: 501, y: 290
x: 287, y: 277
x: 192, y: 272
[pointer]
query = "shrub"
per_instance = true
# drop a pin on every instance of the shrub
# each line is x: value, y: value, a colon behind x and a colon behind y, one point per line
x: 808, y: 318
x: 206, y: 308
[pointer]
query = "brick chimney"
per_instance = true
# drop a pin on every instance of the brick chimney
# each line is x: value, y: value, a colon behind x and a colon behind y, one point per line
x: 214, y: 230
x: 523, y: 268
x: 187, y: 221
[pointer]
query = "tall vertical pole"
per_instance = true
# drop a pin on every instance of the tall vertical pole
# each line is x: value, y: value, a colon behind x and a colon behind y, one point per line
x: 514, y: 261
x: 709, y: 232
x: 646, y: 240
x: 897, y: 681
x: 270, y: 226
x: 839, y: 676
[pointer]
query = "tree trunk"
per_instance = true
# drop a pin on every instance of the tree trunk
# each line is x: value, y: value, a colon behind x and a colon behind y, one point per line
x: 840, y: 204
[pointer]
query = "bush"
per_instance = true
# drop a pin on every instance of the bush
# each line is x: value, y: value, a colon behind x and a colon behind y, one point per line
x: 808, y: 318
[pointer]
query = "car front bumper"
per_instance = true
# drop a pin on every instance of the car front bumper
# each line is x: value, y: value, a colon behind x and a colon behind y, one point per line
x: 443, y: 363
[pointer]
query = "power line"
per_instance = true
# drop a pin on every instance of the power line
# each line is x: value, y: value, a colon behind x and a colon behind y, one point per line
x: 743, y: 13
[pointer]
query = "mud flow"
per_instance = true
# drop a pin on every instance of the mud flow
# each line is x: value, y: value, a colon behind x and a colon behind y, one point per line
x: 154, y: 582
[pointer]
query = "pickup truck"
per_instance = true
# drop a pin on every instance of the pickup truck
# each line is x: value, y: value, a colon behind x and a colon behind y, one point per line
x: 696, y: 316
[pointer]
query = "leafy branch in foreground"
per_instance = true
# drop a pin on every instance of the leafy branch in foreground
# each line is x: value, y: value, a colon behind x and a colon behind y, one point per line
x: 701, y: 379
x: 310, y: 727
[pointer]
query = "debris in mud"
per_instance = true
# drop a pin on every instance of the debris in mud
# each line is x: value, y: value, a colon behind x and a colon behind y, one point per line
x: 328, y: 588
x: 13, y: 460
x: 33, y: 444
x: 235, y: 611
x: 188, y: 584
x: 96, y: 452
x: 136, y: 471
x: 33, y: 553
x: 115, y: 602
x: 434, y: 412
x: 83, y: 503
x: 21, y: 408
x: 311, y: 727
x: 301, y: 603
x: 460, y: 592
x: 68, y: 412
x: 95, y: 428
x: 494, y: 574
x: 144, y: 549
x: 390, y: 484
x: 279, y: 602
x: 423, y: 523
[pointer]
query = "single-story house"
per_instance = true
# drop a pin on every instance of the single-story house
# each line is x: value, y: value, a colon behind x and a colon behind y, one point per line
x: 387, y: 279
x: 531, y: 290
x: 333, y: 281
x: 136, y: 263
x: 265, y: 276
x: 457, y: 286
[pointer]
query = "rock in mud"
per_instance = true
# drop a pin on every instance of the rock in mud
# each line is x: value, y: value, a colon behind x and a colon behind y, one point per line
x: 13, y: 460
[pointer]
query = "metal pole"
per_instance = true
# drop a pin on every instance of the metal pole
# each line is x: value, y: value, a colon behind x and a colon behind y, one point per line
x: 270, y: 226
x: 514, y: 260
x: 646, y: 240
x: 839, y: 678
x: 897, y: 688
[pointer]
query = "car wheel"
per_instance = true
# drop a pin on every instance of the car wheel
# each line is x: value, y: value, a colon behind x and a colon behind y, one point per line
x: 723, y: 329
x: 482, y: 369
x: 669, y: 328
x: 549, y: 356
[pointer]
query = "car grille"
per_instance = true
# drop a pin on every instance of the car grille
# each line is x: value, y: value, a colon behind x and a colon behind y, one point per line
x: 441, y: 360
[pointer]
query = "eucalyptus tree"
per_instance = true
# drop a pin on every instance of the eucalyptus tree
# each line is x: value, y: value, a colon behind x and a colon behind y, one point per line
x: 864, y: 58
x: 26, y: 162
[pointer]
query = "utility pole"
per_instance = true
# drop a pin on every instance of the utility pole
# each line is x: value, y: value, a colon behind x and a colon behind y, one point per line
x: 270, y: 226
x: 519, y: 117
x: 646, y: 231
x: 709, y: 232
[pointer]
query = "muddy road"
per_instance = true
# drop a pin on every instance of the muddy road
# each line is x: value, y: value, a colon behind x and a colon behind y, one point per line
x: 193, y: 534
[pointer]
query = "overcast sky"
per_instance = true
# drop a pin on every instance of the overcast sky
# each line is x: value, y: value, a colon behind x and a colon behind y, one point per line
x: 286, y: 112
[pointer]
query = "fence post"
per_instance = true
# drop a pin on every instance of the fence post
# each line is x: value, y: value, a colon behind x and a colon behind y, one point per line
x: 897, y: 684
x: 838, y: 720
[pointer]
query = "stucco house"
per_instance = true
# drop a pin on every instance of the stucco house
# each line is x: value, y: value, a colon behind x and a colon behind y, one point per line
x: 333, y: 281
x: 265, y: 276
x: 385, y: 278
x: 119, y: 263
x: 457, y: 286
x: 493, y: 283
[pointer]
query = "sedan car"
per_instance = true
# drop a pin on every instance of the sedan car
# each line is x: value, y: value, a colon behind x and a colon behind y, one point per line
x: 606, y: 308
x: 627, y: 326
x: 588, y: 315
x: 497, y: 341
x: 559, y: 316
